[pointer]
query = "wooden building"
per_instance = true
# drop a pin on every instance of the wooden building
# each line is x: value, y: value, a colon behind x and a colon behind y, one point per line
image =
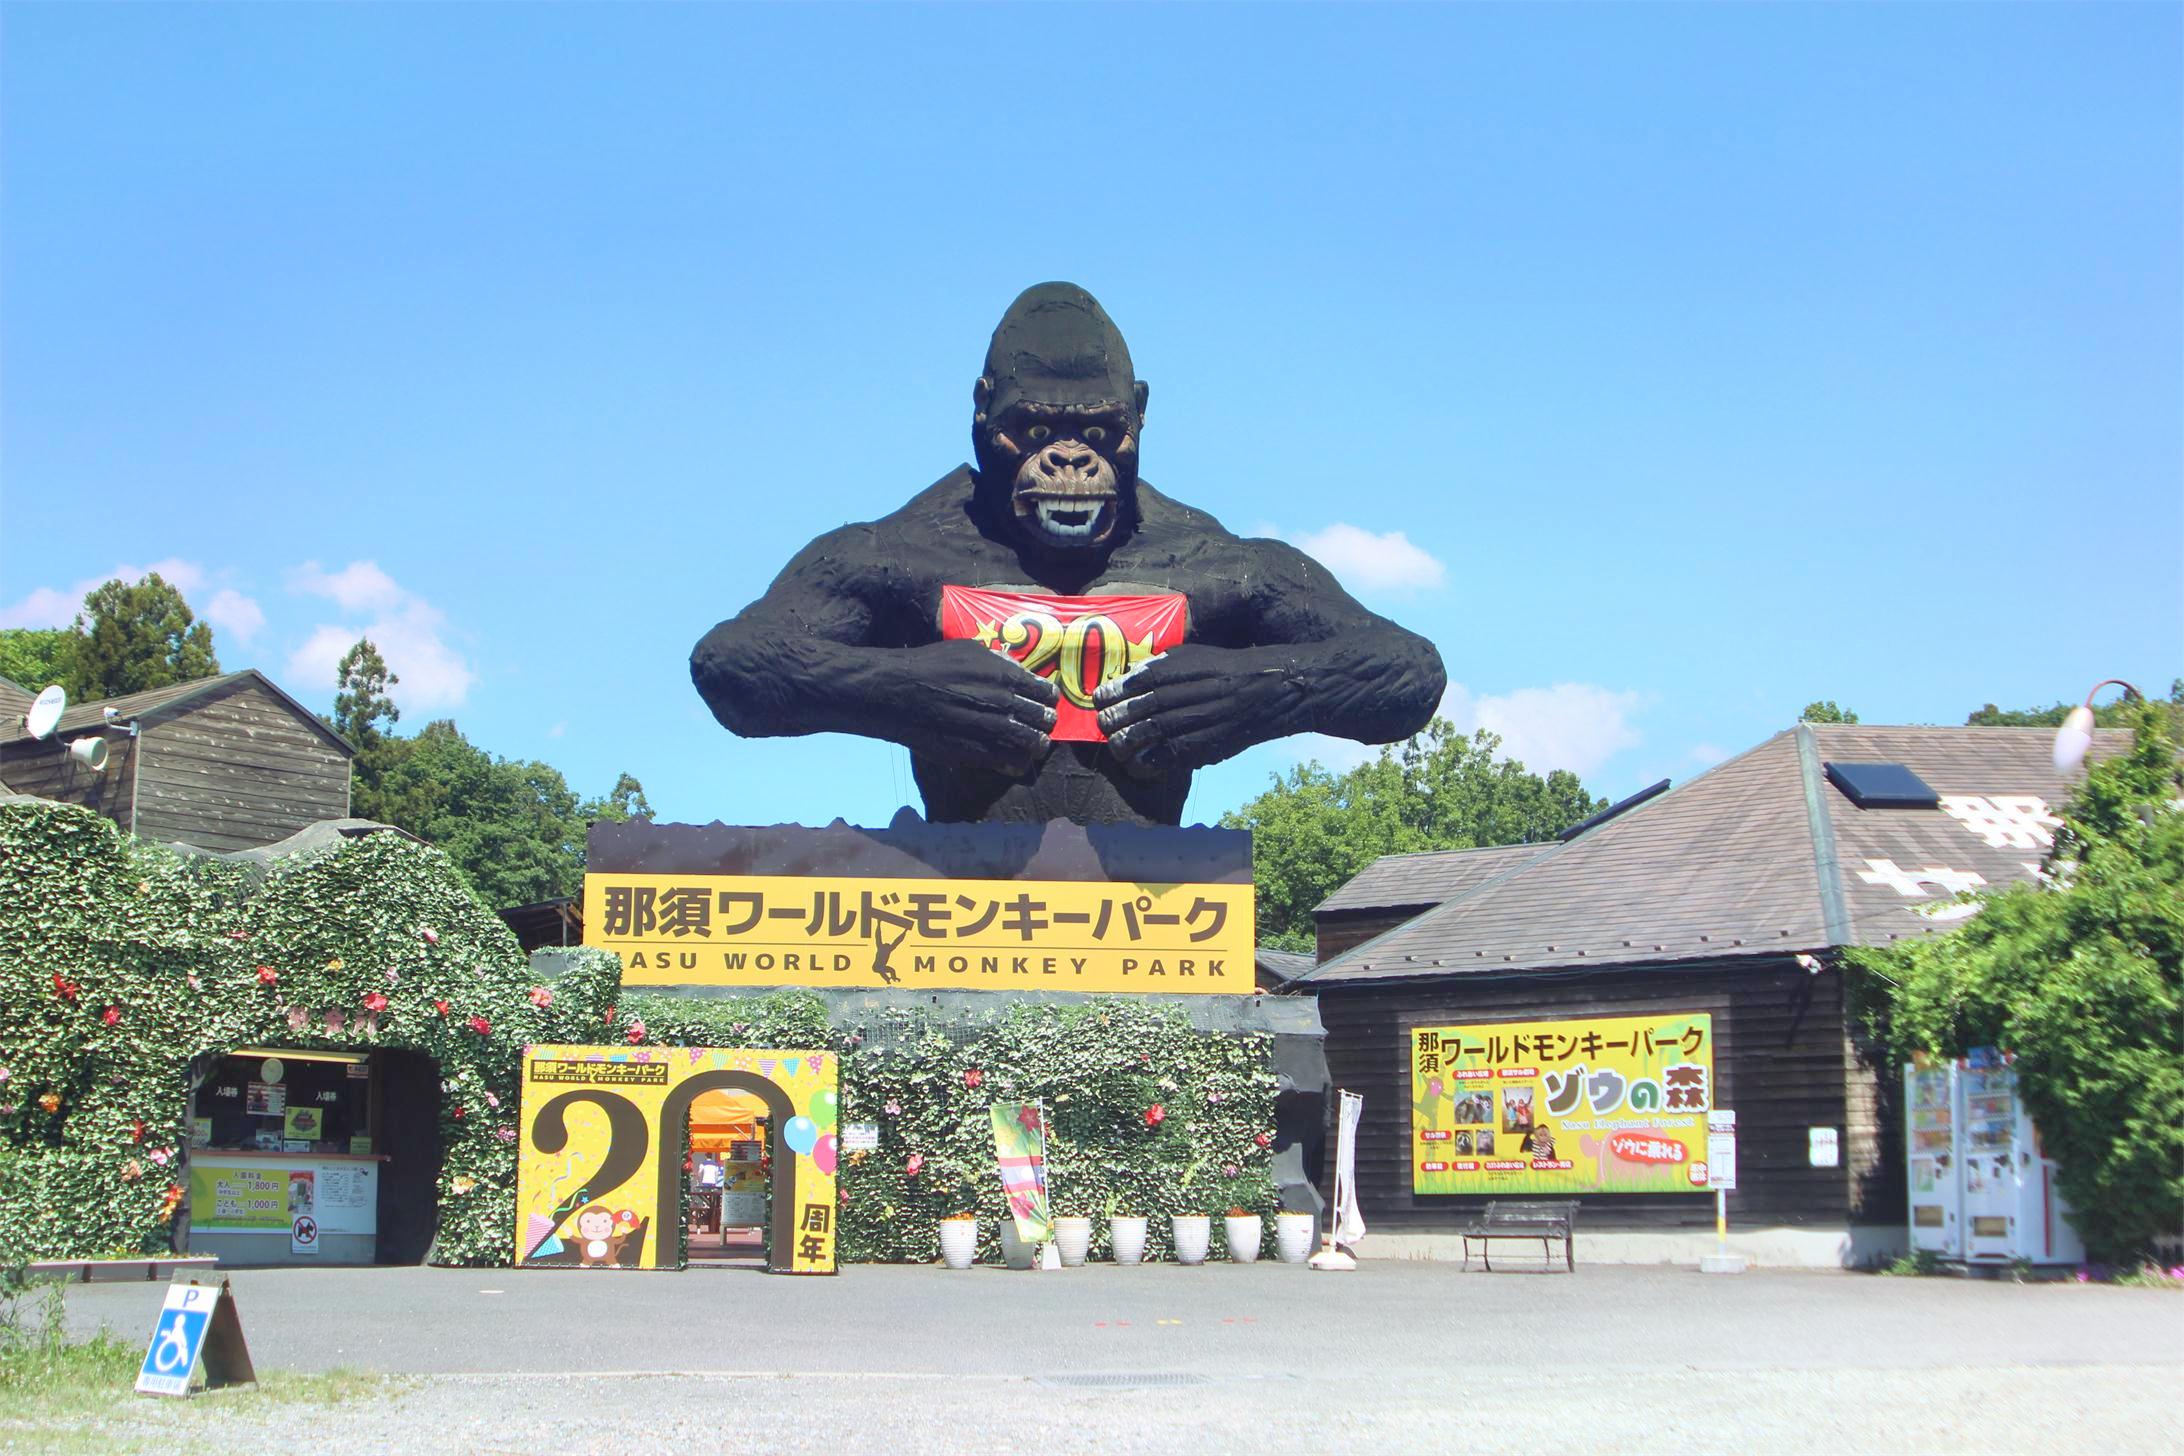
x: 1731, y: 897
x: 223, y: 763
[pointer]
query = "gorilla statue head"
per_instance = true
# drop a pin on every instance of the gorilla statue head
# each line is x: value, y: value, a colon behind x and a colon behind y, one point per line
x: 1056, y: 430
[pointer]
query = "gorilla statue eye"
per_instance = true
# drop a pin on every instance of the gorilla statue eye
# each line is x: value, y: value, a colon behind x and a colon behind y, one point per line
x: 1037, y: 433
x: 1093, y: 434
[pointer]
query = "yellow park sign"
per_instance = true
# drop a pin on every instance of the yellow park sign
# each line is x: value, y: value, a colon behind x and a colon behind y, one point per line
x: 923, y: 934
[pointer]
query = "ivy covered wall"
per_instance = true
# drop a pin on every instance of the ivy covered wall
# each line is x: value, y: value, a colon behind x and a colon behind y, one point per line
x: 121, y: 961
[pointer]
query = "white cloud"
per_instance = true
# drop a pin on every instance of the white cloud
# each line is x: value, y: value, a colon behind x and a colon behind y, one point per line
x: 1706, y: 755
x: 1577, y: 726
x: 408, y: 631
x: 557, y: 730
x: 47, y: 606
x: 1386, y: 561
x: 358, y: 587
x: 235, y: 614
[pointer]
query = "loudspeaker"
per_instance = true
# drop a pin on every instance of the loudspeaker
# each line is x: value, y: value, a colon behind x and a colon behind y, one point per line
x: 90, y: 752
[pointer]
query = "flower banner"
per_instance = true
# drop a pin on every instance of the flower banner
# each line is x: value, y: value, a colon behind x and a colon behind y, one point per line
x: 1019, y: 1140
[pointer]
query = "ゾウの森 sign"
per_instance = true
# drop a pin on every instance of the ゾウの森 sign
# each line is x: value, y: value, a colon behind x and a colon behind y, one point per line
x: 1606, y: 1105
x: 958, y: 934
x: 604, y: 1133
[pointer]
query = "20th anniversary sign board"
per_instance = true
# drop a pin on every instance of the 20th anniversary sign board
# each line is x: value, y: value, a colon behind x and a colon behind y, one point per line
x: 889, y: 908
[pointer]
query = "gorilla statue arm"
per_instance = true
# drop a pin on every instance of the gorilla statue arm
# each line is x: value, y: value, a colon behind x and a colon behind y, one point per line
x: 822, y: 652
x: 1301, y: 656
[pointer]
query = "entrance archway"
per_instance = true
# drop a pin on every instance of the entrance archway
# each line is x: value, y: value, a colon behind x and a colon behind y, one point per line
x: 675, y: 1127
x: 606, y: 1192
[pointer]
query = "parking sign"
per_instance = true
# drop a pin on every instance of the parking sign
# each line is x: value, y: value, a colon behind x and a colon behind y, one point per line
x: 196, y: 1321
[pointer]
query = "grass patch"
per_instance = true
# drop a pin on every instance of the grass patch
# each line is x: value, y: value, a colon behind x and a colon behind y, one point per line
x: 76, y: 1397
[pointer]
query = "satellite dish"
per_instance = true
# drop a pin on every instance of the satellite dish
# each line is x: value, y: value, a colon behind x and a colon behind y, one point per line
x: 90, y: 752
x: 45, y: 711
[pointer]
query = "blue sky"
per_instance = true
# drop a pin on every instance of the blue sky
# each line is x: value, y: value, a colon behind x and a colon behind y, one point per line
x: 1669, y: 367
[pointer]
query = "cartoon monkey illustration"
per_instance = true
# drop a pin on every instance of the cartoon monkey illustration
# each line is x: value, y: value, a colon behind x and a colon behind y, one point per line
x: 597, y: 1244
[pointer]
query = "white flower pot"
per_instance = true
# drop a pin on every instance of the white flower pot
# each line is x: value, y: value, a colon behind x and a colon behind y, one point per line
x: 1127, y: 1235
x: 1293, y: 1236
x: 1243, y: 1235
x: 959, y: 1242
x: 1193, y: 1234
x: 1074, y: 1235
x: 1014, y: 1251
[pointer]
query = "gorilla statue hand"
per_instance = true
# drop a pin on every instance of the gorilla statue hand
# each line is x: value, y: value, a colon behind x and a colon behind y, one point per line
x: 1194, y: 705
x: 964, y: 704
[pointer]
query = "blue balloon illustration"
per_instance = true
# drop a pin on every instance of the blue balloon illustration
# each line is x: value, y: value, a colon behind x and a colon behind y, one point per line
x: 801, y: 1134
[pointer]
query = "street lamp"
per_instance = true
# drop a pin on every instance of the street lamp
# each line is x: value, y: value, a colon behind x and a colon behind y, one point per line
x: 2075, y: 738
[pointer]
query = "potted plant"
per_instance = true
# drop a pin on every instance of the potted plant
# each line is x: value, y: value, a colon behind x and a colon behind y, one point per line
x: 1073, y: 1236
x: 1014, y: 1251
x: 1293, y: 1235
x: 1191, y: 1233
x: 1125, y: 1234
x: 1242, y: 1231
x: 959, y: 1240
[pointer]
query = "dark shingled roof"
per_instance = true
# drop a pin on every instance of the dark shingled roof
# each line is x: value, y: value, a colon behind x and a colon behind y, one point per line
x: 155, y: 703
x: 1760, y: 855
x: 1429, y: 877
x: 15, y: 701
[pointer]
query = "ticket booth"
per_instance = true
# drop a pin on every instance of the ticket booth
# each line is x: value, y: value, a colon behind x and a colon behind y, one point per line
x: 292, y: 1155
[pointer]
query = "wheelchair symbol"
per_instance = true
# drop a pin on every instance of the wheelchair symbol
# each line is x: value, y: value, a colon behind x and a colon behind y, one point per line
x: 171, y: 1351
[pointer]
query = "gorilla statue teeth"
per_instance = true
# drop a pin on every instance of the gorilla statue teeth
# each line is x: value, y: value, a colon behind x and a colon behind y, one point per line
x: 1049, y: 636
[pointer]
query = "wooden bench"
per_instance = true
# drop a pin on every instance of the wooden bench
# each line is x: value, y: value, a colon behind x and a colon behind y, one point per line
x: 1504, y: 1219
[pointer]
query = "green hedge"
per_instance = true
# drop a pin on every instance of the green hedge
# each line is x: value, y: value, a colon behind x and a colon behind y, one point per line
x: 120, y: 961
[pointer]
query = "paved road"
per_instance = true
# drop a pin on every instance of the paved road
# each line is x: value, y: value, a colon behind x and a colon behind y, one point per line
x: 1401, y: 1356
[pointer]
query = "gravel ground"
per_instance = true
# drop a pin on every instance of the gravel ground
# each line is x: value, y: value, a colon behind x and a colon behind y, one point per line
x: 1399, y: 1356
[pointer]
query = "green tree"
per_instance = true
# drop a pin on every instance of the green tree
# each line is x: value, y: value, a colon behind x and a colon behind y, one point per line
x: 625, y: 801
x: 36, y: 657
x: 361, y: 703
x: 130, y: 638
x: 1315, y: 828
x: 2082, y: 978
x: 2112, y: 714
x: 1825, y: 711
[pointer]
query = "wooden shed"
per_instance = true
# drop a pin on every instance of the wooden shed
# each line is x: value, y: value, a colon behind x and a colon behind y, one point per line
x: 1723, y: 904
x: 225, y: 763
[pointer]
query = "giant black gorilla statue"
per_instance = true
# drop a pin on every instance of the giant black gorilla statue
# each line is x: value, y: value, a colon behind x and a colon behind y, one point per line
x: 1155, y: 641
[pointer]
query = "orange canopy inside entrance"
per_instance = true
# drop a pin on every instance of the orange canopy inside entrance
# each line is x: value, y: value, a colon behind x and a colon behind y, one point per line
x: 718, y: 1119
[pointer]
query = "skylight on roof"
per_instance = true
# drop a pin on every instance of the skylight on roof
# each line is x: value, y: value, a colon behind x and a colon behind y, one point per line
x: 1882, y: 786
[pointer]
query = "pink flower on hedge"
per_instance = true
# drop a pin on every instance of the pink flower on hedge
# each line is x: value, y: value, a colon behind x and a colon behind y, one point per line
x: 432, y: 937
x: 892, y: 1108
x: 914, y: 1165
x: 492, y: 1101
x: 481, y: 1026
x: 267, y: 975
x: 394, y: 977
x: 111, y: 1016
x: 1155, y: 1115
x: 439, y: 1007
x: 458, y: 1112
x: 335, y: 1021
x: 1263, y: 1140
x: 505, y: 1134
x: 64, y: 988
x: 541, y: 997
x: 297, y: 1016
x: 5, y: 1074
x: 973, y: 1077
x: 160, y: 1155
x: 636, y: 1032
x: 132, y: 1170
x: 375, y: 1001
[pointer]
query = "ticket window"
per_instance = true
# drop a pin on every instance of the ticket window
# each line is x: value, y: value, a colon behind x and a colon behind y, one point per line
x: 284, y: 1164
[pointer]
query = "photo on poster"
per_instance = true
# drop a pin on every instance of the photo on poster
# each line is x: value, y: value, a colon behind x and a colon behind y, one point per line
x: 1517, y: 1110
x: 1475, y: 1107
x: 1460, y: 1145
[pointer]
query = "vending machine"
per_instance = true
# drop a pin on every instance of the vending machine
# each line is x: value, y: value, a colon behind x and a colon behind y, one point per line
x: 1983, y: 1188
x: 1937, y: 1193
